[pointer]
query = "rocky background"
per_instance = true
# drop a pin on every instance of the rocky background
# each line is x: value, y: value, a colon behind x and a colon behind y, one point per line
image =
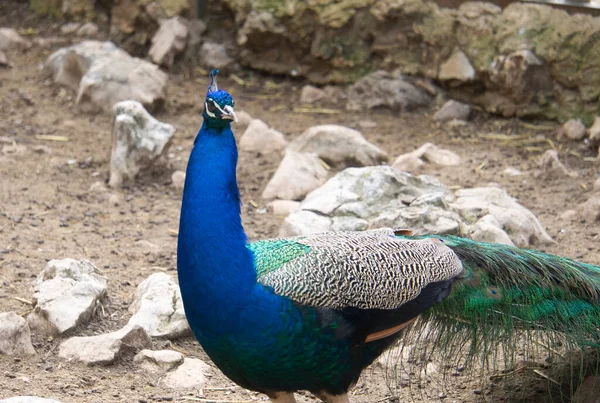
x: 524, y: 60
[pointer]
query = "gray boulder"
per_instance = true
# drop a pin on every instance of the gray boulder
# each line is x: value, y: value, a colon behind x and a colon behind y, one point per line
x: 383, y: 89
x: 520, y: 224
x: 157, y: 307
x: 138, y: 140
x: 373, y: 197
x: 296, y: 176
x: 193, y: 373
x: 259, y: 137
x: 158, y: 361
x: 104, y: 349
x: 169, y: 41
x: 103, y: 74
x: 10, y: 40
x: 338, y: 146
x: 15, y: 336
x: 66, y: 295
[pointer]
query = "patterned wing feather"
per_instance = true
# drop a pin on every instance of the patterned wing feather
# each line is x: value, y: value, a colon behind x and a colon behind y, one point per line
x: 366, y: 270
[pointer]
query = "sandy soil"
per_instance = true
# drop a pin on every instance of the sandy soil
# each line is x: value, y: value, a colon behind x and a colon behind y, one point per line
x: 47, y: 212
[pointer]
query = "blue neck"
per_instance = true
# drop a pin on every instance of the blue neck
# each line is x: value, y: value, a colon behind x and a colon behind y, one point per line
x: 216, y: 270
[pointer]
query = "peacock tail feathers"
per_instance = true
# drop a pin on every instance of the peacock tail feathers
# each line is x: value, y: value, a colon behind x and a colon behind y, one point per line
x: 519, y: 288
x: 512, y: 304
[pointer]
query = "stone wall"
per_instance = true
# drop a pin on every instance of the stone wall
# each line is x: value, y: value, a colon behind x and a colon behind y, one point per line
x: 524, y: 60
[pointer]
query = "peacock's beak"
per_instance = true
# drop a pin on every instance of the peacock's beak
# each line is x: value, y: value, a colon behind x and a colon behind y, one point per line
x: 229, y: 113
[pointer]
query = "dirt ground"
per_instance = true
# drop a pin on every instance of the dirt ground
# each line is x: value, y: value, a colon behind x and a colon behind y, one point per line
x: 47, y: 211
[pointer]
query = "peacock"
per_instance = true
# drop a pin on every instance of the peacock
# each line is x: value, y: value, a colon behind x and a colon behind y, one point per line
x: 312, y: 312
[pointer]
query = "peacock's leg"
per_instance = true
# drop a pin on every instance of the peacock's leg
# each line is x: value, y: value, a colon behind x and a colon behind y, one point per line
x: 327, y: 398
x: 282, y: 397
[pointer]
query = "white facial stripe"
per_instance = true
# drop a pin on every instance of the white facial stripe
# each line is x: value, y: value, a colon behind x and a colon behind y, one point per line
x: 209, y: 113
x: 218, y: 107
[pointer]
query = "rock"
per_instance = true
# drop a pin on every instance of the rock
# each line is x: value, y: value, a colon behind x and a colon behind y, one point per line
x: 98, y: 187
x: 123, y: 17
x: 519, y: 77
x: 4, y: 60
x: 573, y: 129
x: 457, y: 67
x: 412, y: 161
x: 298, y: 174
x: 28, y: 399
x: 196, y: 29
x: 596, y: 185
x: 552, y: 167
x: 334, y: 94
x: 128, y: 16
x: 244, y: 118
x: 521, y: 225
x: 590, y: 210
x: 169, y: 41
x: 69, y: 28
x: 66, y: 295
x: 304, y: 222
x: 77, y: 9
x: 258, y: 137
x: 52, y: 41
x: 192, y: 373
x: 178, y: 179
x: 103, y: 75
x: 594, y: 130
x: 14, y: 149
x: 10, y: 40
x: 372, y: 197
x: 158, y: 361
x: 311, y: 94
x: 89, y: 29
x: 214, y: 55
x: 283, y: 207
x: 511, y: 171
x: 452, y: 110
x: 488, y: 229
x: 367, y: 124
x: 104, y: 349
x: 382, y: 89
x: 588, y: 391
x: 115, y: 199
x: 455, y: 124
x: 138, y: 140
x: 439, y: 156
x: 158, y: 308
x: 568, y: 215
x: 15, y: 336
x: 408, y: 162
x: 338, y: 146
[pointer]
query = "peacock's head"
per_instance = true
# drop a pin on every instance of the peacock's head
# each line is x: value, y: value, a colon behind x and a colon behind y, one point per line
x: 218, y: 105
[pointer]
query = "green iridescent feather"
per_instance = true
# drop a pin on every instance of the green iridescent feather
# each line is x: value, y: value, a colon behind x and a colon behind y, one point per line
x: 512, y: 301
x: 271, y: 254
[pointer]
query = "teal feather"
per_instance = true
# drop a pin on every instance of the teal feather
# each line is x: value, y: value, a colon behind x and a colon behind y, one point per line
x: 508, y: 293
x: 272, y: 254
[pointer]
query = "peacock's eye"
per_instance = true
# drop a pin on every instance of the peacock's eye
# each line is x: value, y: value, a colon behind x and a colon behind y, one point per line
x: 211, y: 106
